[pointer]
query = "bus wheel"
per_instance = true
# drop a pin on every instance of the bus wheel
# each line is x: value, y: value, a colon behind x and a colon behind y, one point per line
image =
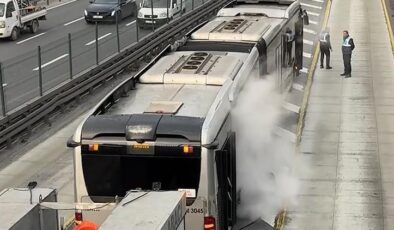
x: 34, y: 26
x: 14, y: 34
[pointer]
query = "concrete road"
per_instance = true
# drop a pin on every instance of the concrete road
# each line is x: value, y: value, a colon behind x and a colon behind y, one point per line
x: 21, y: 75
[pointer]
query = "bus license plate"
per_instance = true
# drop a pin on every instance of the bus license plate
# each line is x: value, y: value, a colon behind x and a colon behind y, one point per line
x: 97, y: 16
x: 142, y: 149
x: 147, y: 21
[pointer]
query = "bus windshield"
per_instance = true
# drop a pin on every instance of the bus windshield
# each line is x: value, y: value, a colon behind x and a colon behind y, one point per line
x: 2, y: 7
x: 112, y: 172
x: 156, y: 3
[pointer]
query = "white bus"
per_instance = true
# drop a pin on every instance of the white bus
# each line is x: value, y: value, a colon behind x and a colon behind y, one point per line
x: 171, y: 128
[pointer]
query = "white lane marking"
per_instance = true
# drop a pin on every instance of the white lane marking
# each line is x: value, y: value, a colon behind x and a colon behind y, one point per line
x: 298, y: 87
x: 313, y: 14
x: 291, y: 107
x: 76, y: 20
x: 63, y: 4
x: 313, y: 22
x: 27, y: 39
x: 50, y: 62
x: 311, y: 6
x: 130, y: 23
x: 321, y: 1
x: 309, y: 31
x: 308, y: 42
x: 304, y: 70
x: 92, y: 42
x: 307, y: 55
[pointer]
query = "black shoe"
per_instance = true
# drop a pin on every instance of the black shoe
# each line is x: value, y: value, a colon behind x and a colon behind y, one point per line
x: 343, y: 74
x: 321, y: 67
x: 348, y: 75
x: 329, y: 67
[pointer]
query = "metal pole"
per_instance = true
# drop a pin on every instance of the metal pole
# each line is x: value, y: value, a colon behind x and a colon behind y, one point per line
x: 70, y: 57
x: 39, y: 69
x: 181, y: 7
x: 153, y: 26
x: 192, y: 4
x: 167, y: 11
x: 137, y: 27
x: 47, y: 2
x: 97, y: 48
x: 117, y: 27
x: 3, y: 110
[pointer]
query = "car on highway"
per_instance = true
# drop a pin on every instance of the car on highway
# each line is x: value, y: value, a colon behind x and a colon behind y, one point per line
x: 159, y: 13
x: 106, y: 10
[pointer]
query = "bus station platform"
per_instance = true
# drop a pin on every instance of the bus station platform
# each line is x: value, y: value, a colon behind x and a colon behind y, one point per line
x: 347, y: 144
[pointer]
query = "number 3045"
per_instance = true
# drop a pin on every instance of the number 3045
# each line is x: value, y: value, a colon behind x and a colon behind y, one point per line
x: 195, y: 210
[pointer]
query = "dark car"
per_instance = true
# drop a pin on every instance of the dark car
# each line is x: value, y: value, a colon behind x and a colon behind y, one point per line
x: 106, y: 10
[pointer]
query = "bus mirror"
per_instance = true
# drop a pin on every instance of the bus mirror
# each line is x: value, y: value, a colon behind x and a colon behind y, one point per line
x: 306, y: 20
x: 140, y: 4
x: 305, y: 17
x: 71, y: 143
x: 91, y: 1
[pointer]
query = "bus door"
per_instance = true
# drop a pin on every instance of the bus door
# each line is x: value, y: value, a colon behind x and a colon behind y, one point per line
x: 226, y: 173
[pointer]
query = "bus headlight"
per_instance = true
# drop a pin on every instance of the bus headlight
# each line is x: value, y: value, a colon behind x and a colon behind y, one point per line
x: 2, y: 24
x: 140, y: 15
x: 113, y: 13
x: 86, y: 13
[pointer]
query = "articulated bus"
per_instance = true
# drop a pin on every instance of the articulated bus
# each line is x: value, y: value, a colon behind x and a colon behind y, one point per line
x: 171, y: 128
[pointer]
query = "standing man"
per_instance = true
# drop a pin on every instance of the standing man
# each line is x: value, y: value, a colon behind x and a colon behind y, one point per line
x: 325, y: 47
x: 347, y: 49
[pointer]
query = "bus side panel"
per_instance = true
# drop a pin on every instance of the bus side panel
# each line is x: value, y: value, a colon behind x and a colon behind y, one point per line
x: 195, y: 215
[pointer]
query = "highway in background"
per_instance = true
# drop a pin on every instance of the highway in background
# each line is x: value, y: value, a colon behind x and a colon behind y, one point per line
x: 21, y: 75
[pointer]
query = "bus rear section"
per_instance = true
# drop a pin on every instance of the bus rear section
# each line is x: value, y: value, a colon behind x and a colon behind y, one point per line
x: 147, y: 152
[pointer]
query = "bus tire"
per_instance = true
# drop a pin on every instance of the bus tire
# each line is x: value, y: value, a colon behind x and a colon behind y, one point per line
x: 14, y: 34
x: 34, y: 26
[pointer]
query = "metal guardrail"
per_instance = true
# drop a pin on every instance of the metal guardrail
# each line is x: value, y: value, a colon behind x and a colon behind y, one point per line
x: 23, y: 119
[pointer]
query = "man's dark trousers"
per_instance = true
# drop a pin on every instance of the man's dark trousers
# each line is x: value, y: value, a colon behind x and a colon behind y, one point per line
x: 325, y: 50
x: 346, y: 61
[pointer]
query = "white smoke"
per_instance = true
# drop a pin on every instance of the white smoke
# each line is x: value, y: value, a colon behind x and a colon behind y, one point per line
x: 264, y: 161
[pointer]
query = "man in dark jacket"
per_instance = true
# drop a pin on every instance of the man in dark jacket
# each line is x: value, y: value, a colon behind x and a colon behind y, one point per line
x: 325, y: 48
x: 347, y: 49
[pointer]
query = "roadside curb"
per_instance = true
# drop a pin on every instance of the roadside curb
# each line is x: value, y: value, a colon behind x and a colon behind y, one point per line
x: 280, y: 220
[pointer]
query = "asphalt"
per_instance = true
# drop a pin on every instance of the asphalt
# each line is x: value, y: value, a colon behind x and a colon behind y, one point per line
x: 20, y: 69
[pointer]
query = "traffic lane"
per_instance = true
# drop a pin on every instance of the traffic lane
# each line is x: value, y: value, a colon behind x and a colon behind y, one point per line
x: 60, y: 21
x: 55, y: 60
x: 49, y: 30
x: 23, y: 85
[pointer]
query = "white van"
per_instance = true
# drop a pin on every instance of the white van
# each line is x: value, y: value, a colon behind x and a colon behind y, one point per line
x: 161, y: 9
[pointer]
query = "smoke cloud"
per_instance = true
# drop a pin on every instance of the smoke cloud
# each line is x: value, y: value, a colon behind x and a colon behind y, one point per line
x: 265, y: 179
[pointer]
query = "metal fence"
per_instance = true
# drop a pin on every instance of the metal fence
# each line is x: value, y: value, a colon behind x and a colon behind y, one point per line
x: 36, y: 73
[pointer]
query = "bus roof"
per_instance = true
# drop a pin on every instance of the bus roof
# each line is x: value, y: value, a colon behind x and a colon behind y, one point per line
x: 175, y: 86
x: 246, y: 22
